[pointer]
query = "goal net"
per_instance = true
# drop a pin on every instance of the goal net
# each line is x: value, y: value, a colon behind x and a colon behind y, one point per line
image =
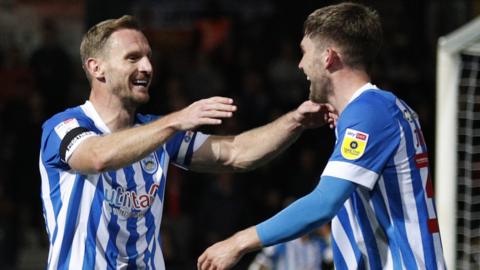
x: 458, y: 146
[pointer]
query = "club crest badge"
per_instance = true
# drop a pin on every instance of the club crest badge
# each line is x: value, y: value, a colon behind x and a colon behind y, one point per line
x: 354, y: 144
x: 150, y: 163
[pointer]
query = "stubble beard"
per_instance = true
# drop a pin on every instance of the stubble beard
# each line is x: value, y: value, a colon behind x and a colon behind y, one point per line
x: 128, y: 98
x: 321, y: 90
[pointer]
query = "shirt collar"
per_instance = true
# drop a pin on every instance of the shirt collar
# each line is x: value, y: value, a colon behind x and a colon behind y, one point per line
x: 362, y: 89
x: 92, y: 114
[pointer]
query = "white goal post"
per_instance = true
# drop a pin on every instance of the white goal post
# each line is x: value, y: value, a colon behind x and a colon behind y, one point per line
x: 450, y: 47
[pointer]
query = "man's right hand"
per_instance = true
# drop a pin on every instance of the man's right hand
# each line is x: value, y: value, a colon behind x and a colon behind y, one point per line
x: 208, y: 111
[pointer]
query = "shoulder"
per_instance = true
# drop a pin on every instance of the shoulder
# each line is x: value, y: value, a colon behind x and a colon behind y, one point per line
x: 371, y: 108
x: 70, y: 113
x: 67, y: 120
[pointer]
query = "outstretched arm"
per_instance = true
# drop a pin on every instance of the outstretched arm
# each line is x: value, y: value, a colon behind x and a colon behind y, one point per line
x: 302, y: 216
x: 255, y: 147
x: 116, y: 150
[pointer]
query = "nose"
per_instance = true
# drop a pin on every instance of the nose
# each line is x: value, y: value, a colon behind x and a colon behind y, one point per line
x: 300, y: 64
x: 145, y: 65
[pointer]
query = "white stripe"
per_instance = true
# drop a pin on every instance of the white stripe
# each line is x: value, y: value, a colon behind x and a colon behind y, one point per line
x: 157, y: 212
x: 409, y: 205
x: 341, y: 239
x: 357, y: 232
x: 66, y: 185
x: 141, y: 244
x: 79, y: 239
x: 438, y: 251
x: 351, y: 172
x: 381, y: 184
x: 200, y: 139
x: 424, y: 176
x: 184, y: 148
x: 123, y: 233
x: 380, y: 237
x: 47, y: 202
x: 49, y: 214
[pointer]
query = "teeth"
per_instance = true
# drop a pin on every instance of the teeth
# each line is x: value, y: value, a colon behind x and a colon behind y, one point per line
x: 308, y: 78
x: 140, y: 82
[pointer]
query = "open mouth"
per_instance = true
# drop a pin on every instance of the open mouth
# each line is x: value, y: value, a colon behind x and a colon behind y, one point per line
x: 140, y: 82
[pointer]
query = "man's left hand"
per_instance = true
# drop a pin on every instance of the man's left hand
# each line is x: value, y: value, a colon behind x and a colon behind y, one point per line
x: 313, y: 115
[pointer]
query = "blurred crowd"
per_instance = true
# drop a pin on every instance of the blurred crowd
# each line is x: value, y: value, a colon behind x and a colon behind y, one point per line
x: 251, y: 59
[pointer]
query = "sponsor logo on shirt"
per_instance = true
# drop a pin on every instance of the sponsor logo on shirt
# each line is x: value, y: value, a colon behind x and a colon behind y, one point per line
x: 64, y: 127
x: 129, y: 203
x: 353, y: 144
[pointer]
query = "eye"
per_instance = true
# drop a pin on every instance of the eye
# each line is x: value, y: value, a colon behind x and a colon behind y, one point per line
x: 133, y: 58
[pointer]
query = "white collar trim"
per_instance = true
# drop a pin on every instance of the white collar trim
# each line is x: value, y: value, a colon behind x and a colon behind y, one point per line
x: 362, y: 89
x: 92, y: 113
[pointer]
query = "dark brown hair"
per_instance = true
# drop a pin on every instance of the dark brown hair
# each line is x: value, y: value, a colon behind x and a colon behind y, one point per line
x: 353, y: 27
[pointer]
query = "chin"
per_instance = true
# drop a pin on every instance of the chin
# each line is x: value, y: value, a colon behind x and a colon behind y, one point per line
x: 142, y: 100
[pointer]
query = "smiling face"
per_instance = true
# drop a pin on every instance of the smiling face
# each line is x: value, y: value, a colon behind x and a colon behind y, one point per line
x: 312, y: 65
x: 127, y: 69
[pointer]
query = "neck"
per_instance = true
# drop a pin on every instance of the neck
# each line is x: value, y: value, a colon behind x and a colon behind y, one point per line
x: 345, y: 83
x: 114, y: 113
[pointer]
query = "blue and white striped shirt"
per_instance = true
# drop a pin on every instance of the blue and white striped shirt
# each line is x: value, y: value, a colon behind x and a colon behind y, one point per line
x: 389, y: 222
x: 107, y: 220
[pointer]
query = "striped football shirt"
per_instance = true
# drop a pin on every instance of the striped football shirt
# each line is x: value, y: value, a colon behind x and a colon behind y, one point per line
x: 107, y: 220
x: 389, y: 222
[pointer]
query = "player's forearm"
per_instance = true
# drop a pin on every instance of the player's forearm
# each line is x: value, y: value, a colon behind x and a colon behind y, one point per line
x: 307, y: 213
x: 119, y: 149
x: 256, y: 147
x: 246, y: 241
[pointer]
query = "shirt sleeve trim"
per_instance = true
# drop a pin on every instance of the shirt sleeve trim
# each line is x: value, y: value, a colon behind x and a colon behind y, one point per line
x: 351, y: 172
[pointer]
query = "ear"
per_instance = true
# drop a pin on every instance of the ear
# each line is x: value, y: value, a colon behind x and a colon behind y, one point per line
x: 331, y: 58
x: 94, y: 67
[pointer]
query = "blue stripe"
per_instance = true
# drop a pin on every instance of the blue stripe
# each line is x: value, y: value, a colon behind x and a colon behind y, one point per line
x: 55, y: 198
x: 112, y: 249
x: 338, y: 259
x: 131, y: 222
x: 417, y: 126
x: 367, y: 233
x: 93, y: 221
x: 161, y: 188
x: 149, y: 218
x: 113, y: 228
x: 396, y: 209
x: 422, y: 211
x: 152, y: 259
x: 345, y: 221
x: 71, y: 222
x: 381, y: 213
x: 188, y: 155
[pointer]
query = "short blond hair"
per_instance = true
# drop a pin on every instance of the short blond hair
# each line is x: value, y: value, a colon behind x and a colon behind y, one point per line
x: 93, y: 42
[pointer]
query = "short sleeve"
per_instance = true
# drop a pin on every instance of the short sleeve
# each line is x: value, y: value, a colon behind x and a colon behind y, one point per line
x: 181, y: 147
x: 367, y: 137
x: 61, y: 135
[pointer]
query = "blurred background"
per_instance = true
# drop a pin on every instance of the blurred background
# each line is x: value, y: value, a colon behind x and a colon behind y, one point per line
x: 247, y: 50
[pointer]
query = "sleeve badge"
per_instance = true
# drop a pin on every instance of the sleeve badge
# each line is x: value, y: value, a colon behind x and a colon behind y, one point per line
x: 354, y: 144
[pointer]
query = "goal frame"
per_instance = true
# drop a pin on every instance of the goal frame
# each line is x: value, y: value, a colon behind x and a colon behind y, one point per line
x: 464, y: 39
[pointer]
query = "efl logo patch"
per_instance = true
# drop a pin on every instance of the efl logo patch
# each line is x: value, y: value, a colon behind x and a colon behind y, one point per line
x: 354, y: 144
